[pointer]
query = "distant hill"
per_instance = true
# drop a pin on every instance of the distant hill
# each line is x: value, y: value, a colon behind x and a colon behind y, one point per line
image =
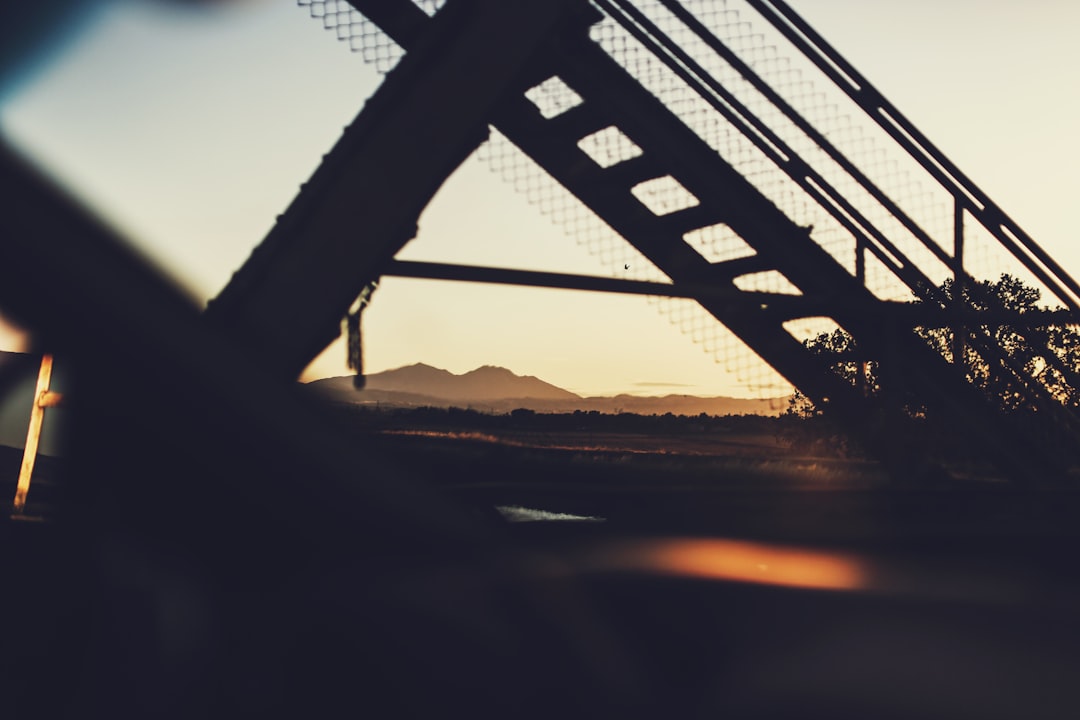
x: 498, y: 390
x: 483, y: 384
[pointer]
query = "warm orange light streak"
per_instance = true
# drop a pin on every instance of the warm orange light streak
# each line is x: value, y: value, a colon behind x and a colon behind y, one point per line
x: 740, y: 561
x: 33, y: 434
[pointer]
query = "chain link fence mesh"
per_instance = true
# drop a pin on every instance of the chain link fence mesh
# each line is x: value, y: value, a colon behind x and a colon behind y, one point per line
x: 925, y: 240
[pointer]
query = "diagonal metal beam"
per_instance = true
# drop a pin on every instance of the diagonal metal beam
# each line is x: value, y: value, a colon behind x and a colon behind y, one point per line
x: 911, y: 314
x: 362, y: 204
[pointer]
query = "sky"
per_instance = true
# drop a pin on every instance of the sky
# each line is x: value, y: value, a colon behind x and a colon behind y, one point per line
x: 189, y: 131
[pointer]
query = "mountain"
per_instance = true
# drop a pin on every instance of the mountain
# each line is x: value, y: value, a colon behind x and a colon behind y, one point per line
x: 485, y: 384
x: 498, y: 390
x: 482, y: 384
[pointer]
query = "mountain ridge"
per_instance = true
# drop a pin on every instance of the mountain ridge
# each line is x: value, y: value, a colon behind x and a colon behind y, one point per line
x: 484, y: 383
x: 490, y: 388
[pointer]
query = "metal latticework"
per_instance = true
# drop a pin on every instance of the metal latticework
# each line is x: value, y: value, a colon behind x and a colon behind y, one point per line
x: 761, y: 91
x: 363, y: 36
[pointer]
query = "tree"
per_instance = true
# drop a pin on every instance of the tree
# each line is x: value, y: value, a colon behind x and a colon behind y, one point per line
x: 1034, y: 345
x: 803, y: 426
x: 1007, y: 343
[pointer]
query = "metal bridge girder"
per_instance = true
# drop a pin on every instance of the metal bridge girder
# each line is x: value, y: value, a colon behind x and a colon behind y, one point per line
x: 471, y: 64
x: 363, y: 202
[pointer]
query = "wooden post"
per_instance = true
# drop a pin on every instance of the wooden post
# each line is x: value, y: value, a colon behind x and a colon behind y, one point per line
x: 42, y: 399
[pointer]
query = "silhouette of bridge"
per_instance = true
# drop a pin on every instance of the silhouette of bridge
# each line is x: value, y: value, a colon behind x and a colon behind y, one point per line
x: 232, y: 544
x: 722, y: 152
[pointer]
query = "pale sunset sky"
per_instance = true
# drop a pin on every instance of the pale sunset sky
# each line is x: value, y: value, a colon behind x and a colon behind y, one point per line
x: 190, y: 130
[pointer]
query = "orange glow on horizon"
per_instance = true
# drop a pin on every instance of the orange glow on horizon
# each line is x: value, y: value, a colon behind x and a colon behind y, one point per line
x: 739, y: 561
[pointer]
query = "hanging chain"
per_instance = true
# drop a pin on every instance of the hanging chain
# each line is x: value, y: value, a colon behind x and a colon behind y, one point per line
x: 353, y: 346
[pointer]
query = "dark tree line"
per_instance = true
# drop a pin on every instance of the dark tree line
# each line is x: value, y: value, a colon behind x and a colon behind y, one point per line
x: 371, y: 418
x: 1017, y: 352
x: 1045, y: 351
